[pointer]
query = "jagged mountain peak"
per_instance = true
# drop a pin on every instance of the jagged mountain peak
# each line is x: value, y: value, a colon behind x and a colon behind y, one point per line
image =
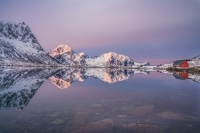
x: 196, y: 57
x: 61, y: 49
x: 110, y: 59
x: 65, y: 55
x: 18, y: 31
x: 115, y: 55
x: 19, y: 46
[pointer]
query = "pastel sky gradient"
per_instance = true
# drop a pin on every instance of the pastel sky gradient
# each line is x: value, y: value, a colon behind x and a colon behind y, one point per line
x: 159, y: 31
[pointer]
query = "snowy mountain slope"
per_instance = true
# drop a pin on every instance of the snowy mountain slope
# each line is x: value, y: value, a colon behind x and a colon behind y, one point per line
x: 20, y: 32
x: 18, y: 86
x: 110, y: 59
x: 65, y: 55
x: 195, y: 61
x: 18, y: 46
x: 196, y: 57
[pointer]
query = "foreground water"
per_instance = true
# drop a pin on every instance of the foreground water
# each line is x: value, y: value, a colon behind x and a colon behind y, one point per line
x: 96, y: 101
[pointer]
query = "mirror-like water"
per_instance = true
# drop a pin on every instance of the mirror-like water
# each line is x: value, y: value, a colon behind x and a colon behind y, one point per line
x: 98, y: 100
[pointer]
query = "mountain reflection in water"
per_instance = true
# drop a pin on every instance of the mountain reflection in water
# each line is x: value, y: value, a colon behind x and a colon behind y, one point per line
x: 145, y: 102
x: 18, y: 86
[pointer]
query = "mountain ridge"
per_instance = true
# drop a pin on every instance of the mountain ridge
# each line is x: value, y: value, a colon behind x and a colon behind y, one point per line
x: 19, y: 46
x: 66, y: 56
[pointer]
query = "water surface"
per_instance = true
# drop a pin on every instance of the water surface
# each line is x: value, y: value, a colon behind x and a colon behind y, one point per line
x: 97, y: 100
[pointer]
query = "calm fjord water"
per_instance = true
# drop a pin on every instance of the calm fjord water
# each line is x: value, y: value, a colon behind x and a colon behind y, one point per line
x: 153, y: 103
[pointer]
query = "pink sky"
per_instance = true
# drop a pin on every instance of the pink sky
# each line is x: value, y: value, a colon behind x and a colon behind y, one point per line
x: 154, y: 29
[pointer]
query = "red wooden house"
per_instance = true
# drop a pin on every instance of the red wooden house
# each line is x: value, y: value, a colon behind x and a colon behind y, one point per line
x: 181, y: 64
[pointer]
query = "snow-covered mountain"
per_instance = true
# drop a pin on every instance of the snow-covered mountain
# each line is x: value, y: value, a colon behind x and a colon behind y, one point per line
x: 195, y: 61
x: 18, y: 85
x: 66, y: 56
x: 110, y: 59
x: 18, y: 46
x: 196, y: 57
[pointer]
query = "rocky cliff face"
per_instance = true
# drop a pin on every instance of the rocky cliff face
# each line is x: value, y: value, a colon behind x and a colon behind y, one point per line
x: 66, y: 56
x: 19, y: 46
x: 19, y: 32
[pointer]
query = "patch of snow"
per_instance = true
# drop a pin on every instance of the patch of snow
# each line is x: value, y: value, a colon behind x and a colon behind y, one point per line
x: 23, y: 47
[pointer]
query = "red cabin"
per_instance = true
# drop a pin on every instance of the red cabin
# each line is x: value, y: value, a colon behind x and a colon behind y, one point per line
x: 181, y: 64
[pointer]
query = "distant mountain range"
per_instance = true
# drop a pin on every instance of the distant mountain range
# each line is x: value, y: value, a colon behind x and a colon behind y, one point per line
x: 66, y: 56
x: 19, y: 46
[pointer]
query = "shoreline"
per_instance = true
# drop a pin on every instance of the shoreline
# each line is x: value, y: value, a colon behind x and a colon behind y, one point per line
x: 188, y: 70
x: 106, y: 67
